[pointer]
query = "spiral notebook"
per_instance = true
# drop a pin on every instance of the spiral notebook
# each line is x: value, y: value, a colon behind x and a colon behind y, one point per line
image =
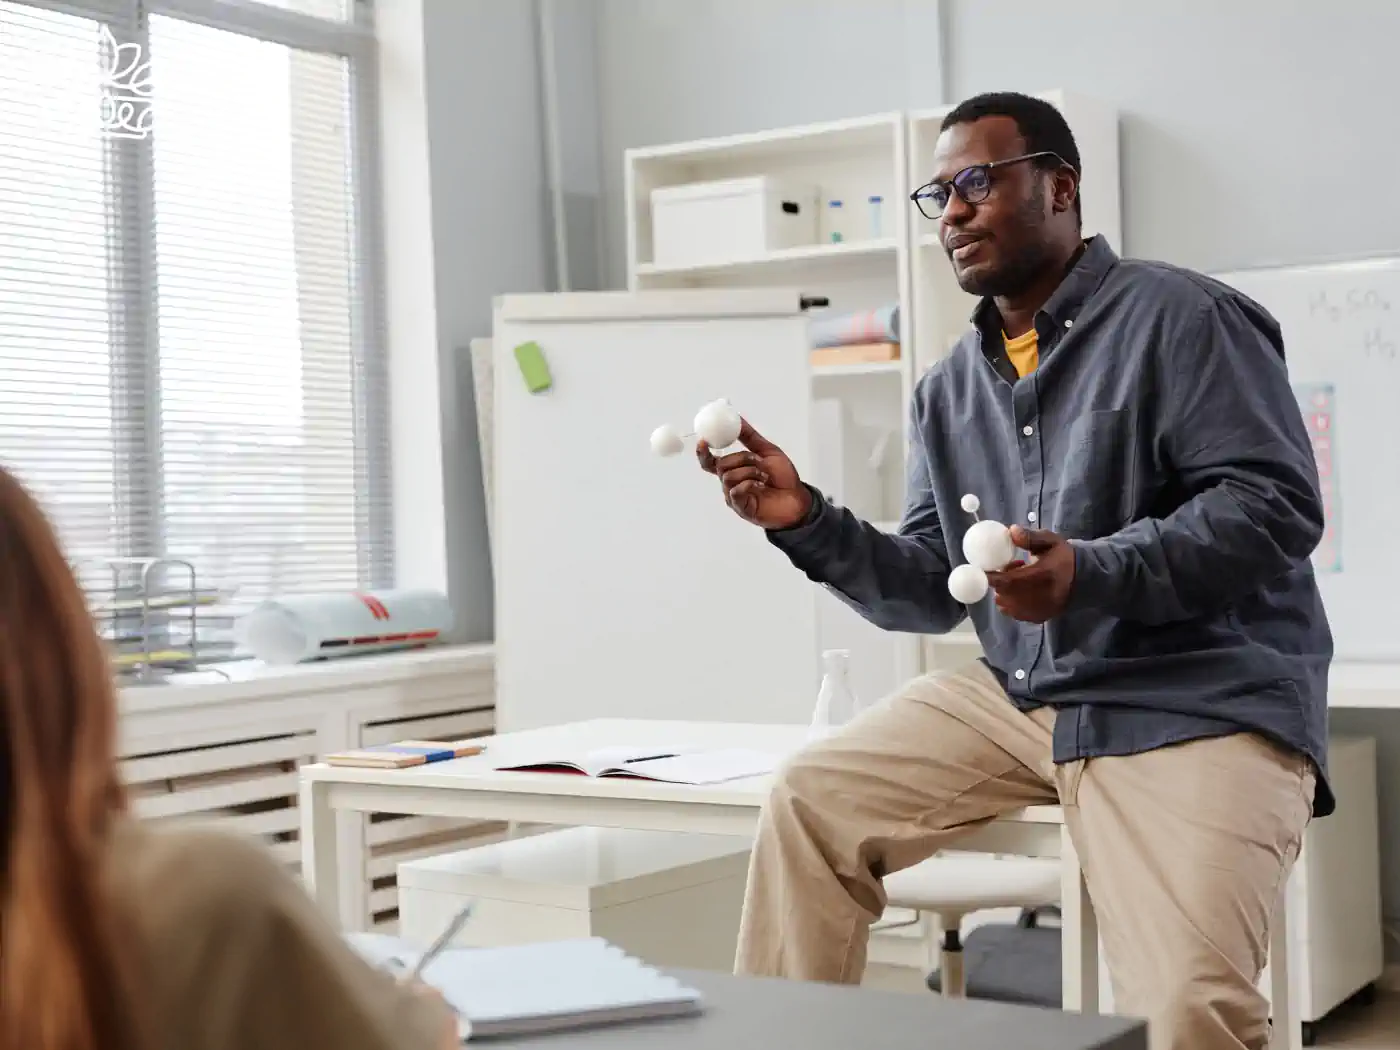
x: 549, y: 986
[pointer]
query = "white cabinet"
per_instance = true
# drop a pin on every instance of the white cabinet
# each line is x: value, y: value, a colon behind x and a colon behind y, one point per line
x: 1336, y: 935
x: 671, y: 899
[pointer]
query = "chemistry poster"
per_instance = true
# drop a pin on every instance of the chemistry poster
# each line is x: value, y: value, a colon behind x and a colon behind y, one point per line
x: 1319, y: 403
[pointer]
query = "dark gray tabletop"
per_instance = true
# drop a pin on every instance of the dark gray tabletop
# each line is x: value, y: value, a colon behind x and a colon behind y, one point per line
x: 753, y: 1014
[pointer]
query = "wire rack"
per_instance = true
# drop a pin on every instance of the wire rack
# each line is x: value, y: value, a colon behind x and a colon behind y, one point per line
x: 157, y: 618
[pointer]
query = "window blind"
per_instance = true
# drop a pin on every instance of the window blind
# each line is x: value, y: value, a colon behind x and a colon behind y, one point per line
x: 60, y: 278
x: 188, y: 354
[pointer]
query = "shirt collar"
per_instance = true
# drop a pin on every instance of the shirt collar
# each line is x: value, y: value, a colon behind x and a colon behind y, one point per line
x: 1083, y: 279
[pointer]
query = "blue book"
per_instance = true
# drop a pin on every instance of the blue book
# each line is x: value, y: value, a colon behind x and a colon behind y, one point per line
x: 405, y: 753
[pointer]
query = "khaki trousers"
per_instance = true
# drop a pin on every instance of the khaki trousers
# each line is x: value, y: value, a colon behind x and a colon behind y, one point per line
x: 1185, y: 849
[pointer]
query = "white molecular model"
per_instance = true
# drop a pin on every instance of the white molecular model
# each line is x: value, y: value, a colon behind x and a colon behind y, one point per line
x: 717, y: 424
x: 987, y: 547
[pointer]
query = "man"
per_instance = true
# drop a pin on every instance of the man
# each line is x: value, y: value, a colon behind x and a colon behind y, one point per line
x: 1156, y: 662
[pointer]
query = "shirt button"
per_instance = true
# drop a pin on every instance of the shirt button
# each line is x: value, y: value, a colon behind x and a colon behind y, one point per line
x: 1028, y: 430
x: 1069, y: 323
x: 1020, y: 675
x: 1031, y: 516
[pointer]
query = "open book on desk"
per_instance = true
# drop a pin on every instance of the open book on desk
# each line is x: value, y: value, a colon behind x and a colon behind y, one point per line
x: 529, y: 988
x: 666, y: 765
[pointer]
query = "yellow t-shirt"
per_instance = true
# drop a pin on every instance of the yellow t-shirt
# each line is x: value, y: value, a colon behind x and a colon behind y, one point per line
x: 1024, y: 352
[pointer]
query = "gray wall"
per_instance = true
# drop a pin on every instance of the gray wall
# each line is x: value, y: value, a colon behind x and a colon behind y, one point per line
x: 1253, y: 132
x: 1231, y: 111
x: 672, y: 70
x: 493, y: 230
x: 490, y: 236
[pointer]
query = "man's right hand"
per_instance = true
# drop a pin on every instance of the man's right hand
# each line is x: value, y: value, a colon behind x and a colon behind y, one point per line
x: 761, y: 484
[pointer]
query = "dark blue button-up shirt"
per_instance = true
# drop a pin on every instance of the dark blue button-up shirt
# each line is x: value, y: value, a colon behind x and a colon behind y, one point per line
x: 1160, y: 434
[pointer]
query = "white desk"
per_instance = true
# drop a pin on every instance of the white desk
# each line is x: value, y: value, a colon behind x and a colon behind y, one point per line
x: 333, y: 844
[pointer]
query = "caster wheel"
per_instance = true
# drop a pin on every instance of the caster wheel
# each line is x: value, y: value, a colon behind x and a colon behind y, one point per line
x: 1366, y: 996
x: 1309, y: 1034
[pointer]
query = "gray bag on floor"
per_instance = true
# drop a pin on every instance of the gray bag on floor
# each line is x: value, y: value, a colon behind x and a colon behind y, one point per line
x: 1012, y: 963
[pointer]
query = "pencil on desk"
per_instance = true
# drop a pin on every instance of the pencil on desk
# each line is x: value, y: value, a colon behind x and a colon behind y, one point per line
x: 443, y: 941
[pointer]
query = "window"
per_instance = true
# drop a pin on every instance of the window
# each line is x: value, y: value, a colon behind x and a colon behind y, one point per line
x: 190, y: 359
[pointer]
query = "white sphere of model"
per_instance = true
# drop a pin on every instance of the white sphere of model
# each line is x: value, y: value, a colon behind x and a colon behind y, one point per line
x: 718, y: 424
x: 967, y: 584
x: 971, y: 503
x: 987, y: 545
x: 665, y: 441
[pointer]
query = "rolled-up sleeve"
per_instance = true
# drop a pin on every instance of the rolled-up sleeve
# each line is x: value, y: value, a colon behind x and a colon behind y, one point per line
x: 1234, y: 436
x: 898, y: 582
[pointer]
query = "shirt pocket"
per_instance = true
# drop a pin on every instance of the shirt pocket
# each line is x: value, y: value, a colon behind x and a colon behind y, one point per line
x: 1095, y: 475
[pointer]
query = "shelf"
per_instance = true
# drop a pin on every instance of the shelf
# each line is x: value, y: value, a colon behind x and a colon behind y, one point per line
x: 785, y: 258
x: 859, y: 368
x: 876, y: 132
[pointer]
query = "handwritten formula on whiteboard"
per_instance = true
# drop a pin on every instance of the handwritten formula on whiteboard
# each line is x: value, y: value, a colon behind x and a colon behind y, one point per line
x: 1319, y: 404
x: 1341, y: 330
x: 1366, y: 313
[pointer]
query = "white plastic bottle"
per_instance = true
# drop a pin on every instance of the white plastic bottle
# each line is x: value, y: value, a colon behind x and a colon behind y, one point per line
x: 835, y: 222
x: 877, y: 216
x: 836, y: 700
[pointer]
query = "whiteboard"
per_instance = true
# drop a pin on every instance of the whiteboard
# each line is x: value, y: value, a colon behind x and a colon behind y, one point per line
x: 1341, y: 329
x: 625, y: 587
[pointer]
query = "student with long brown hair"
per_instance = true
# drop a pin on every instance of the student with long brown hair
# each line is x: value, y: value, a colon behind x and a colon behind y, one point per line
x: 118, y: 936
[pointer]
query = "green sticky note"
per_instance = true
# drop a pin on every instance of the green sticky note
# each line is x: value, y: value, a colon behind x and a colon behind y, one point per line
x: 533, y: 369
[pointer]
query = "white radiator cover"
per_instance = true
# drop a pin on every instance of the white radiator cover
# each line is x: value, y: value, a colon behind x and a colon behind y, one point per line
x: 225, y: 753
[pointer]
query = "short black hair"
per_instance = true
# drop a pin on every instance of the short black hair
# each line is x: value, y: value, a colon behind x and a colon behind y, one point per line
x: 1041, y: 125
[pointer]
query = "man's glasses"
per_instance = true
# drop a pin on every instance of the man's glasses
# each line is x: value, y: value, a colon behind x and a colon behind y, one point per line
x: 973, y: 184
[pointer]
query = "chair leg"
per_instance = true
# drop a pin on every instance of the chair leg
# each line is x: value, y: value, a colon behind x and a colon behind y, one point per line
x: 954, y: 979
x: 1286, y: 1029
x: 1079, y: 934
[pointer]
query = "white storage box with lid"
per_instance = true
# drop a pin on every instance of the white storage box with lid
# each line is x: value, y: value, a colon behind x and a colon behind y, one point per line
x: 730, y: 220
x: 668, y: 899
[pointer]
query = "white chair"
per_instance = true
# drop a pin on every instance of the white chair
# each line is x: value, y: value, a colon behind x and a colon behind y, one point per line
x: 953, y: 886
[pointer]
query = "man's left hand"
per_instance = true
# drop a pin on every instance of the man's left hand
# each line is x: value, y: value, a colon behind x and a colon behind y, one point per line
x: 1038, y: 590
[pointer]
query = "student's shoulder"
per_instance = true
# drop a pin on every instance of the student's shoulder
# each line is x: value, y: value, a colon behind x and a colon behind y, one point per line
x: 187, y: 878
x: 214, y: 856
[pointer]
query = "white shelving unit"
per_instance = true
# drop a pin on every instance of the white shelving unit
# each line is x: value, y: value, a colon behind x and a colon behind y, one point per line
x: 888, y: 155
x: 799, y: 261
x: 940, y: 306
x: 850, y: 161
x: 847, y: 160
